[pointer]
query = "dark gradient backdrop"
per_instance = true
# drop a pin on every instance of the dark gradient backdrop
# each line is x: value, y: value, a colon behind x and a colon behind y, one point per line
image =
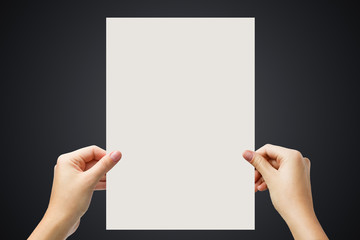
x: 53, y: 101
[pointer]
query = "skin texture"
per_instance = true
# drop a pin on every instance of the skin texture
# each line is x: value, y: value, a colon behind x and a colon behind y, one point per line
x: 286, y: 173
x: 76, y: 175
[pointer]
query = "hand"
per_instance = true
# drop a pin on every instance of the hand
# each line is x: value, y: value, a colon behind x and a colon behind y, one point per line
x: 76, y: 175
x: 287, y: 175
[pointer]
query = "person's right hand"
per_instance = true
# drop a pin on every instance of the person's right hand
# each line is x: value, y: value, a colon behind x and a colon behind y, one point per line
x: 286, y: 173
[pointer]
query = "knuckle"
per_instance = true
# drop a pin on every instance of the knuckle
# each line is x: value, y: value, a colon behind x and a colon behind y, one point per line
x: 107, y: 164
x: 257, y: 161
x: 93, y: 146
x: 61, y: 158
x: 104, y: 166
x: 267, y: 145
x: 296, y: 154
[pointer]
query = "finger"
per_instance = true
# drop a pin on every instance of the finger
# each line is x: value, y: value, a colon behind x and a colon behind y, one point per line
x: 90, y: 165
x: 273, y: 152
x: 274, y: 163
x: 261, y: 180
x: 104, y: 165
x: 89, y: 153
x: 257, y: 175
x: 262, y: 187
x: 307, y: 161
x: 103, y: 178
x: 100, y: 186
x: 260, y: 163
x: 308, y: 165
x: 258, y: 183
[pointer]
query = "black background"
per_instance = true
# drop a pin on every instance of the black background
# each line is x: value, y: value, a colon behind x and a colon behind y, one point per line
x: 53, y: 101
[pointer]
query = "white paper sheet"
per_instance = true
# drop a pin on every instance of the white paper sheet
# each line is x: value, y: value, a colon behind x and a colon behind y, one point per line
x: 180, y: 107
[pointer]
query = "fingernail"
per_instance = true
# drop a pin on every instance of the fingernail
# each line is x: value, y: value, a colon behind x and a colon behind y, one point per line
x: 248, y: 155
x: 115, y: 156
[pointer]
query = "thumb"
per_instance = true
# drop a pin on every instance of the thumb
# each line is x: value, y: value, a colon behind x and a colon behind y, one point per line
x: 259, y: 162
x: 105, y: 164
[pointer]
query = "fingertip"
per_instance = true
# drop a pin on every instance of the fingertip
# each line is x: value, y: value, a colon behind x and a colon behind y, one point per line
x: 104, y: 165
x: 248, y: 155
x: 262, y: 187
x: 115, y: 156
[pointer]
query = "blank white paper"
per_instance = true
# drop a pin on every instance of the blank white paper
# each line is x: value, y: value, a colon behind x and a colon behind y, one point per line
x: 180, y: 107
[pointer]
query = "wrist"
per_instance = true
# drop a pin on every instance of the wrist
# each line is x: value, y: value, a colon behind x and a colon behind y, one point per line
x: 61, y: 220
x: 304, y: 224
x: 54, y: 225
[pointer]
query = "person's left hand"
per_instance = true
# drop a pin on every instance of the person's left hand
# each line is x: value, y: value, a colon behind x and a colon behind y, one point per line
x: 76, y: 175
